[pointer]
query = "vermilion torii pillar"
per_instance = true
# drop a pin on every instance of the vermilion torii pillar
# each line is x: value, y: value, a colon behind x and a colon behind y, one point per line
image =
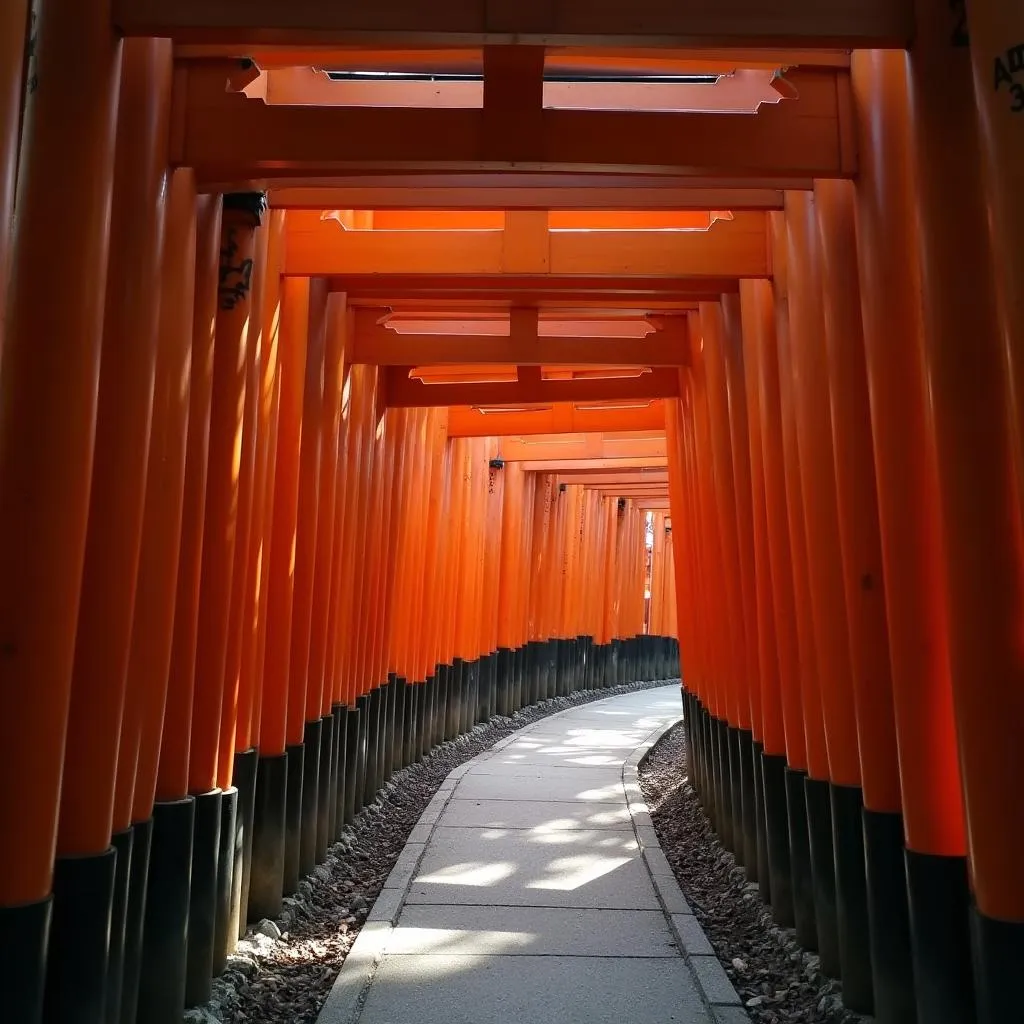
x: 48, y: 402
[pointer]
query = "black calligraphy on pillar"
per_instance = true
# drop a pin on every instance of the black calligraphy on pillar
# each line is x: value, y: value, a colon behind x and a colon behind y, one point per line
x: 959, y: 37
x: 1007, y: 66
x: 235, y: 274
x: 32, y: 76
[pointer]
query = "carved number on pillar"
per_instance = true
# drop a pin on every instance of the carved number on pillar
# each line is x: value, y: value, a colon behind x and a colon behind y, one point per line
x: 235, y: 277
x: 1006, y: 67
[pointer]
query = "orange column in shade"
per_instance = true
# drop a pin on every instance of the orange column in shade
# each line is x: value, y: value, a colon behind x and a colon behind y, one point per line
x: 238, y: 243
x: 888, y: 257
x: 172, y: 776
x: 153, y: 619
x: 280, y: 585
x: 355, y: 444
x: 712, y: 528
x: 778, y: 556
x: 14, y: 31
x: 997, y: 34
x: 542, y: 508
x: 48, y: 397
x: 365, y: 378
x: 857, y: 496
x: 250, y: 687
x: 733, y: 350
x: 318, y: 696
x: 755, y: 308
x: 510, y: 569
x: 807, y: 660
x: 308, y: 511
x: 492, y: 557
x: 817, y: 486
x: 127, y: 373
x: 332, y: 673
x: 980, y: 510
x: 231, y: 705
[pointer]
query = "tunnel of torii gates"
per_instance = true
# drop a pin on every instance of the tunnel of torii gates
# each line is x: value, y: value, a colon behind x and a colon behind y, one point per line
x: 369, y: 370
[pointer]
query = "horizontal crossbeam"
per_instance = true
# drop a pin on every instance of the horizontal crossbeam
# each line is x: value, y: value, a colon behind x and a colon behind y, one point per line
x: 811, y: 23
x: 404, y: 392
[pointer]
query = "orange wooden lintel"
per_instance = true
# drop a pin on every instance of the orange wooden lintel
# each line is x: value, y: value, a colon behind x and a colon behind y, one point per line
x: 635, y: 478
x: 559, y: 417
x: 610, y: 196
x: 585, y: 451
x: 228, y: 134
x: 729, y: 248
x: 408, y: 393
x: 501, y: 291
x: 590, y: 468
x: 376, y: 343
x: 809, y: 23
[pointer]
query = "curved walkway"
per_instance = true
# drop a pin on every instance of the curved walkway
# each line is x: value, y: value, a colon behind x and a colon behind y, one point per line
x: 533, y: 889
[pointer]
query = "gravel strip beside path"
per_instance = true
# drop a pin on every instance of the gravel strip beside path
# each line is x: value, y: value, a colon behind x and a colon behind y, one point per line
x: 283, y: 971
x: 779, y: 982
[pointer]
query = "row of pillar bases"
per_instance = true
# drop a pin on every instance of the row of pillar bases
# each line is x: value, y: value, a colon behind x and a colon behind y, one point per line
x: 137, y: 933
x: 895, y: 925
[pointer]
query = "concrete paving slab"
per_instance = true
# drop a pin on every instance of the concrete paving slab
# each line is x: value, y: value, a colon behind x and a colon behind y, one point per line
x: 532, y: 931
x: 596, y: 775
x: 574, y: 784
x: 538, y: 989
x: 505, y: 867
x: 538, y: 816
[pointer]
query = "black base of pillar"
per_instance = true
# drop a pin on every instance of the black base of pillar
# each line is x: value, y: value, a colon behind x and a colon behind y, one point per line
x: 373, y: 736
x: 852, y: 898
x: 745, y: 741
x: 773, y: 774
x: 363, y: 705
x: 398, y: 759
x: 165, y: 925
x: 471, y: 681
x: 202, y: 904
x: 310, y: 807
x: 324, y: 800
x: 76, y: 976
x: 123, y: 843
x: 998, y: 953
x: 442, y: 704
x: 804, y: 919
x: 411, y: 730
x: 503, y: 673
x: 823, y: 872
x: 724, y: 817
x: 737, y: 795
x: 340, y: 714
x: 761, y: 824
x: 456, y: 685
x: 245, y: 769
x: 138, y: 879
x: 24, y: 938
x: 483, y: 710
x: 892, y: 968
x: 390, y: 708
x: 266, y: 879
x: 229, y: 853
x: 293, y: 817
x: 353, y: 731
x: 940, y: 934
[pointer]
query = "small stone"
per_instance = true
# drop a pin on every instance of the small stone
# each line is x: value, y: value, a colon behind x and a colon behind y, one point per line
x: 268, y: 928
x: 756, y: 1001
x: 740, y: 965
